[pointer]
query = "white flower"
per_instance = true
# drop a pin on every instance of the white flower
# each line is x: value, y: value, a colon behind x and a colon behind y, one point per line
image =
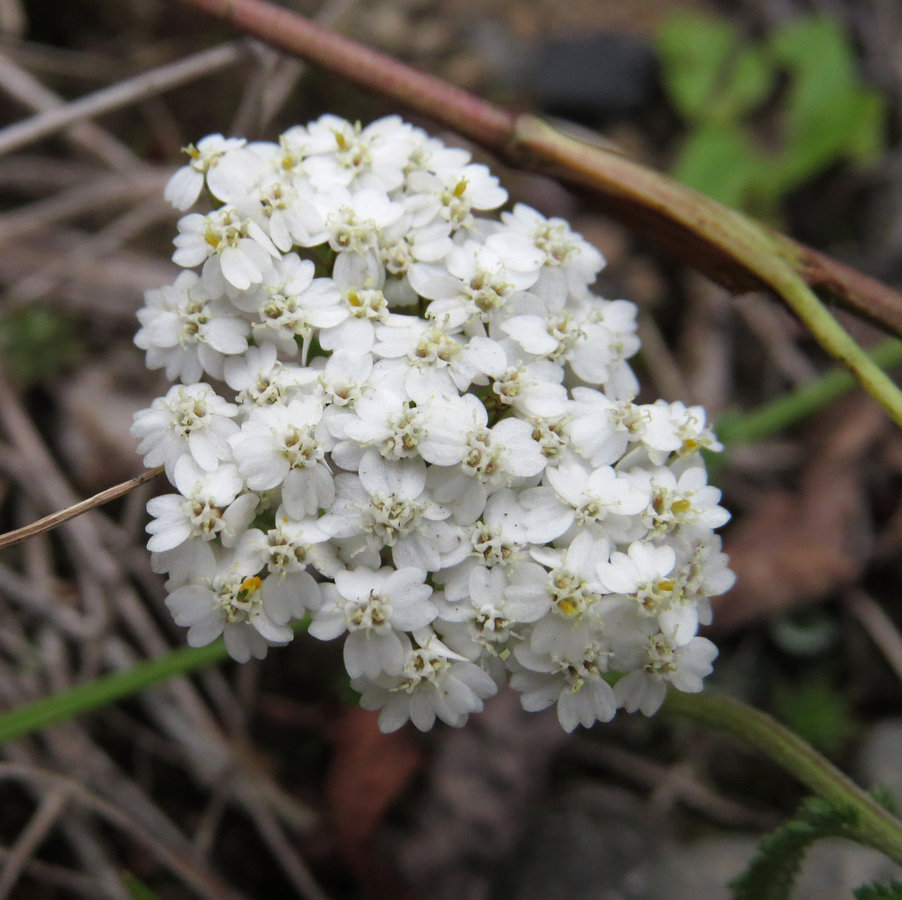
x: 387, y: 504
x: 359, y: 282
x: 457, y: 432
x: 403, y: 244
x: 492, y: 614
x: 680, y: 503
x: 474, y: 284
x: 574, y: 682
x: 355, y: 221
x: 293, y: 545
x: 560, y: 248
x: 374, y: 607
x: 434, y: 682
x: 261, y: 379
x: 663, y: 660
x: 533, y: 389
x: 184, y: 187
x: 292, y: 304
x: 582, y: 341
x: 571, y: 584
x: 233, y: 249
x: 188, y: 334
x: 289, y: 214
x: 432, y: 156
x: 689, y: 426
x: 642, y: 574
x: 285, y: 446
x: 207, y: 507
x: 600, y: 428
x: 601, y: 497
x: 433, y: 350
x: 453, y: 193
x: 506, y: 528
x: 705, y: 573
x: 384, y: 417
x: 344, y: 377
x: 225, y: 600
x: 433, y: 446
x: 189, y: 419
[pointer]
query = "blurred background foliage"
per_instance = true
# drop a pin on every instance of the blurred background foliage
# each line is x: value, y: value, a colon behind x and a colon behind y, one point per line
x: 763, y: 117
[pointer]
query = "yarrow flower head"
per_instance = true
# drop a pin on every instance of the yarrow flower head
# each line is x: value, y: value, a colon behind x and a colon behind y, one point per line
x: 411, y: 420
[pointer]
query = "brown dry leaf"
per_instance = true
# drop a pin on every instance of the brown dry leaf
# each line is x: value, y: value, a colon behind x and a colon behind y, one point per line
x: 368, y: 772
x: 796, y: 547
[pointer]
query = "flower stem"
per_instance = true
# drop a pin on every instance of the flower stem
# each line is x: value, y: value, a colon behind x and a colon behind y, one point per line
x: 875, y: 826
x: 838, y: 342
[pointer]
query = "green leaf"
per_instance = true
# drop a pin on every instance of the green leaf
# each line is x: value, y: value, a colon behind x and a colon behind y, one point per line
x: 36, y: 342
x: 773, y: 871
x: 720, y: 161
x: 752, y: 78
x: 693, y: 50
x: 735, y: 427
x: 137, y: 889
x: 829, y: 115
x: 708, y: 75
x: 888, y: 890
x: 817, y: 712
x: 102, y: 691
x: 866, y: 142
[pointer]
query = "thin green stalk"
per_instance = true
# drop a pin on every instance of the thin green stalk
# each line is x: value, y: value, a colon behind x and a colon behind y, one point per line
x: 741, y: 428
x: 875, y: 826
x: 64, y: 705
x: 836, y: 340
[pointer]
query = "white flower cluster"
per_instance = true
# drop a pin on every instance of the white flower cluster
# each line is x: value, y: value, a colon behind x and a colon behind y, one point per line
x: 422, y: 435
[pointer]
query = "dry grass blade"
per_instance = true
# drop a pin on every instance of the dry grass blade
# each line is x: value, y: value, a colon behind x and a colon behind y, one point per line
x: 131, y: 223
x: 64, y: 515
x: 113, y: 290
x: 291, y: 863
x: 880, y: 627
x: 72, y: 883
x: 20, y: 84
x: 133, y: 90
x: 204, y: 882
x: 52, y: 805
x: 669, y: 783
x: 85, y: 197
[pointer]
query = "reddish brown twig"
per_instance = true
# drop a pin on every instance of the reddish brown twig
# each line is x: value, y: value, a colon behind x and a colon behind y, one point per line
x: 670, y: 215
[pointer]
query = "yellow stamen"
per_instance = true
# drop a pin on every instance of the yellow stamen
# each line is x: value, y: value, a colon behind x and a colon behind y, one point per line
x: 250, y: 586
x: 568, y: 607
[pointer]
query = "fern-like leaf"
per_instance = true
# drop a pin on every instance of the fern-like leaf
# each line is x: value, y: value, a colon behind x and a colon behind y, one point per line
x: 888, y: 890
x: 773, y: 871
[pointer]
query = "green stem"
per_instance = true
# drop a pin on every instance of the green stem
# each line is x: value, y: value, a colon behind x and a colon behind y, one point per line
x: 836, y: 340
x: 735, y: 427
x: 91, y: 695
x: 875, y: 826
